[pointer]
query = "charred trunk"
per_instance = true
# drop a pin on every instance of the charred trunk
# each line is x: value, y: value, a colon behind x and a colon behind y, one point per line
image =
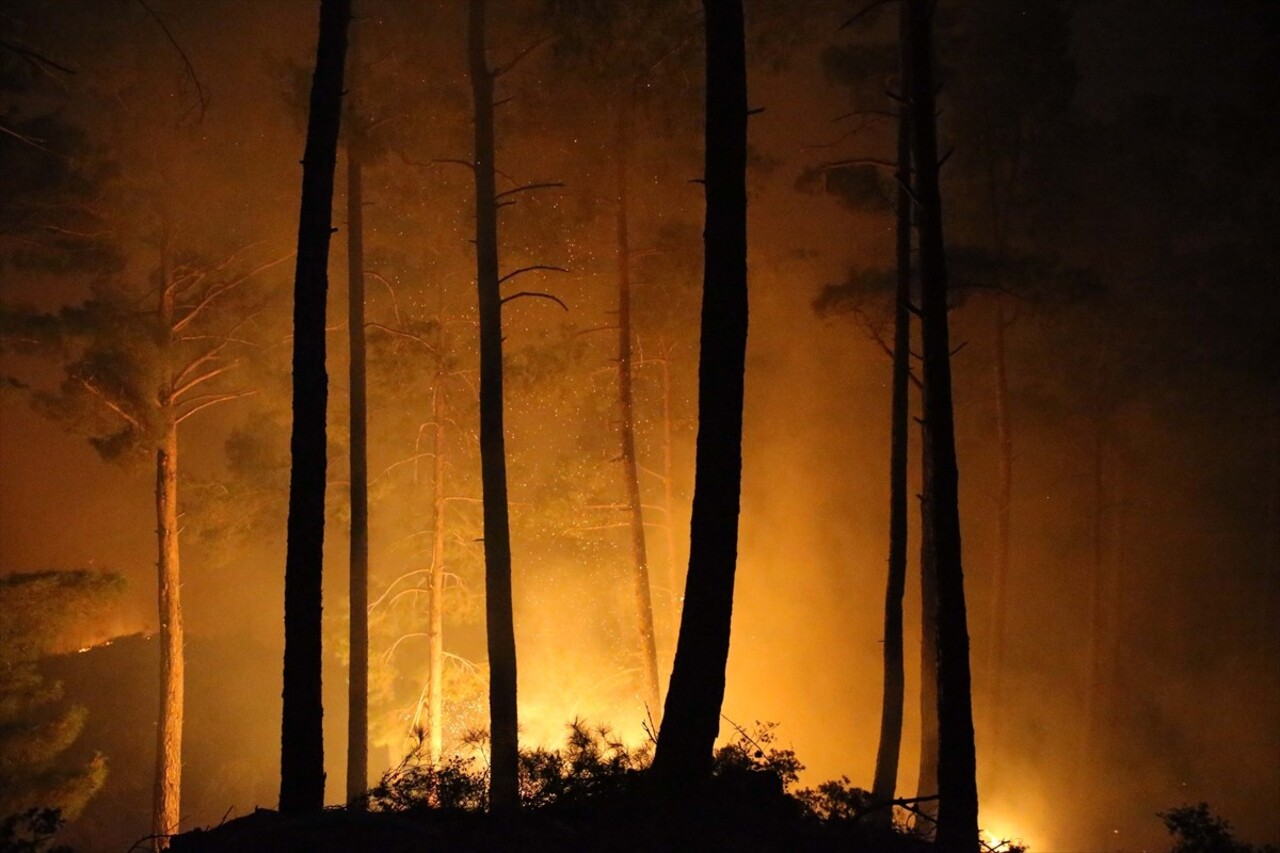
x: 886, y: 775
x: 927, y: 780
x: 302, y: 734
x: 692, y: 715
x: 646, y: 645
x: 503, y: 776
x: 358, y: 678
x: 957, y: 785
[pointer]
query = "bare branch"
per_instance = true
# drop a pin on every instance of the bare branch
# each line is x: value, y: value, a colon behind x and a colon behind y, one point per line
x: 392, y: 585
x: 414, y: 458
x: 859, y: 161
x: 537, y: 294
x: 201, y: 96
x: 213, y: 401
x: 526, y: 187
x: 877, y: 113
x: 848, y: 134
x: 220, y: 290
x: 503, y: 69
x: 413, y: 590
x: 36, y: 59
x: 465, y: 163
x: 23, y: 138
x: 204, y: 377
x: 864, y: 11
x: 582, y: 332
x: 401, y: 334
x: 906, y: 188
x: 515, y: 273
x: 395, y: 302
x: 386, y: 656
x: 109, y: 403
x: 211, y: 354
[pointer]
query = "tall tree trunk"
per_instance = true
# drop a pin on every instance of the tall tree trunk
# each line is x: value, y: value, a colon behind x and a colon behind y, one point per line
x: 503, y: 776
x: 302, y: 733
x: 646, y: 644
x: 435, y: 620
x: 358, y: 677
x: 957, y: 782
x: 927, y: 780
x: 692, y: 716
x: 668, y: 489
x: 1004, y: 503
x: 886, y: 775
x: 166, y: 804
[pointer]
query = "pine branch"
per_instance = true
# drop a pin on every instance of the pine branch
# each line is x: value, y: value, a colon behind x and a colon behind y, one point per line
x: 527, y: 187
x: 517, y: 272
x: 535, y: 294
x: 212, y: 400
x: 110, y: 403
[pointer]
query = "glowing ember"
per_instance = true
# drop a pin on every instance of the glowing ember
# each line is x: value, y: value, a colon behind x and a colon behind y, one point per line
x: 1001, y: 836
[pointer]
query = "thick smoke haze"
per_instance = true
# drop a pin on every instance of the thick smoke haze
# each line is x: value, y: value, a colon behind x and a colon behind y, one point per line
x: 1144, y: 323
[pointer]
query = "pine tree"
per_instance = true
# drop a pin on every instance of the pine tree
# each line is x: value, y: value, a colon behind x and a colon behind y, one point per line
x: 302, y: 734
x: 40, y: 608
x: 691, y: 716
x: 957, y: 779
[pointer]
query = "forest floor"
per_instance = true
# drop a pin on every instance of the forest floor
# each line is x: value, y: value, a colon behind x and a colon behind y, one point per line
x: 354, y: 831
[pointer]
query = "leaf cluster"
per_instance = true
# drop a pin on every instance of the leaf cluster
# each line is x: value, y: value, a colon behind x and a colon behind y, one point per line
x: 1196, y: 829
x: 32, y: 831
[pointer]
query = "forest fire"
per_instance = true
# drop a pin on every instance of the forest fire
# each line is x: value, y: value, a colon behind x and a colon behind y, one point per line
x: 458, y: 429
x: 1001, y: 837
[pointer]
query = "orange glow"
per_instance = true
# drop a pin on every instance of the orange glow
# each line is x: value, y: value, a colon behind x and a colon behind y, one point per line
x: 1000, y: 834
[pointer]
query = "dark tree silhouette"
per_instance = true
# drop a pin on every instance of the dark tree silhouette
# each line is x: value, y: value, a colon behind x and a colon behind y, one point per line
x: 503, y: 781
x: 38, y: 766
x: 927, y: 775
x: 302, y: 733
x: 358, y: 677
x: 957, y: 783
x: 692, y: 713
x: 887, y: 754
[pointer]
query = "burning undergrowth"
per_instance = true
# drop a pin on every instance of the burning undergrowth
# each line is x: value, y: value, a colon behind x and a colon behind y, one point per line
x: 590, y: 794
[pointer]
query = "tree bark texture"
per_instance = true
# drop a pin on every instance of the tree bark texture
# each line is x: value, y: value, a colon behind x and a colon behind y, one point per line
x: 168, y: 783
x: 167, y: 799
x: 957, y: 784
x: 692, y: 714
x: 927, y: 780
x: 358, y: 677
x: 302, y: 734
x: 886, y: 773
x: 646, y: 645
x: 499, y: 621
